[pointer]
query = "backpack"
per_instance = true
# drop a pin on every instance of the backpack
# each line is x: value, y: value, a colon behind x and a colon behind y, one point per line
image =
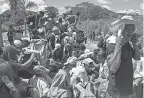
x: 85, y: 92
x: 80, y: 36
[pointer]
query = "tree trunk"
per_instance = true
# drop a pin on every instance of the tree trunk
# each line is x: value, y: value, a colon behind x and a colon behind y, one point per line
x: 1, y: 37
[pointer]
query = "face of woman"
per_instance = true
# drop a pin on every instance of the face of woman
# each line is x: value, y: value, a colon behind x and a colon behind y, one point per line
x: 128, y: 31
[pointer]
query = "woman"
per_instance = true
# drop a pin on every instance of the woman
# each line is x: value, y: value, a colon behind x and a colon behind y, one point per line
x: 120, y: 62
x: 61, y: 87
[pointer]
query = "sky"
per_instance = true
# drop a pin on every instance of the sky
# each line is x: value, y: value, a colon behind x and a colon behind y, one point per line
x: 121, y: 6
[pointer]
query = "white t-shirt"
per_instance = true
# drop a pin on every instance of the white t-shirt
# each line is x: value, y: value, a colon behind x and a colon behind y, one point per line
x: 111, y: 39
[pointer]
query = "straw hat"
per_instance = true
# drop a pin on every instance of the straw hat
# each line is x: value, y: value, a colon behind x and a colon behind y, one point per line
x: 17, y: 43
x: 89, y: 62
x: 111, y: 40
x: 81, y: 73
x: 57, y: 46
x: 74, y: 34
x: 87, y: 51
x: 66, y: 37
x: 40, y: 30
x: 70, y: 60
x: 120, y: 23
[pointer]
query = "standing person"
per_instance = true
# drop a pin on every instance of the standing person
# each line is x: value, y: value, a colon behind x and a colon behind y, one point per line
x: 33, y: 21
x: 10, y: 34
x: 120, y: 62
x: 93, y: 35
x: 85, y: 39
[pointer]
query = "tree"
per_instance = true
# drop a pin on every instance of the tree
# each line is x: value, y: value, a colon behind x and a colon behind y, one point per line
x: 16, y: 7
x: 52, y: 11
x: 30, y: 4
x: 18, y: 10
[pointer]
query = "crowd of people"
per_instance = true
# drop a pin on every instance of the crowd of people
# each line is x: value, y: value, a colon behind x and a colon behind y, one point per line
x: 55, y: 62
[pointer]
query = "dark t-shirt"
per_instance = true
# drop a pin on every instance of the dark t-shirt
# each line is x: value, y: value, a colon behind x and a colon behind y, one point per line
x: 10, y: 34
x: 124, y: 75
x: 57, y: 54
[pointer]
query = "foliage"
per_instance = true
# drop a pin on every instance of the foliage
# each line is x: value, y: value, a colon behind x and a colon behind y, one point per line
x: 17, y: 12
x: 94, y: 15
x: 52, y: 11
x: 30, y: 4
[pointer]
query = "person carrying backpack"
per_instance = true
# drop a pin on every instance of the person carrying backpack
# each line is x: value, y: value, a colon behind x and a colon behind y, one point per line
x: 83, y: 89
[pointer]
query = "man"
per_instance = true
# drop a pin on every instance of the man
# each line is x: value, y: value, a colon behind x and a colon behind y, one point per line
x: 33, y: 21
x: 61, y: 87
x: 10, y: 34
x: 120, y: 61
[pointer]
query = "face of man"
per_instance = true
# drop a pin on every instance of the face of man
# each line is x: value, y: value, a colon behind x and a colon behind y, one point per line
x: 128, y: 31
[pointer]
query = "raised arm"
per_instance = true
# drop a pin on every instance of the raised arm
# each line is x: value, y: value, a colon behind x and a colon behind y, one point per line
x: 115, y: 59
x: 28, y: 63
